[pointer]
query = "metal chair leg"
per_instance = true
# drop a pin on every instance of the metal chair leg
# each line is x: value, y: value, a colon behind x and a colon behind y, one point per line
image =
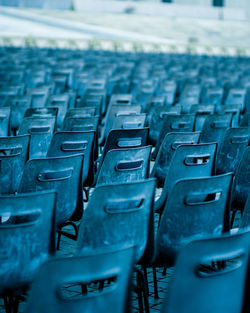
x: 142, y: 284
x: 139, y: 292
x: 156, y: 295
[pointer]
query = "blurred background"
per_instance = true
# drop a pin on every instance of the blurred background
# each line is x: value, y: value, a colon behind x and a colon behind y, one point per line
x: 197, y: 26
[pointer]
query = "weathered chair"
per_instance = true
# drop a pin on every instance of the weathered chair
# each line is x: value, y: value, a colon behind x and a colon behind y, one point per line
x: 231, y: 149
x: 47, y: 293
x: 41, y: 130
x: 27, y: 239
x: 168, y: 147
x: 188, y: 161
x: 124, y: 165
x: 213, y: 267
x: 14, y: 153
x: 62, y: 174
x: 121, y: 215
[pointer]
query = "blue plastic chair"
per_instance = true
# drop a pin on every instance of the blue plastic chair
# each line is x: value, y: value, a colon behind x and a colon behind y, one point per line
x: 13, y: 156
x: 213, y: 267
x: 27, y: 239
x: 47, y: 293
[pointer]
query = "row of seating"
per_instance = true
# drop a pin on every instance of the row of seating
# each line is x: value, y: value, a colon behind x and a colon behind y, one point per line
x: 156, y: 145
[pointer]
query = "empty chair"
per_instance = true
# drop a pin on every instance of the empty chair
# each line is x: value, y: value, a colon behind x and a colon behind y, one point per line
x: 27, y: 239
x: 214, y: 95
x: 81, y: 123
x: 231, y: 149
x: 214, y: 127
x: 213, y: 267
x: 124, y: 165
x: 116, y: 110
x: 241, y: 184
x: 87, y: 111
x: 201, y: 111
x: 121, y: 99
x: 156, y: 120
x: 124, y: 139
x: 154, y: 102
x: 62, y: 174
x: 39, y: 96
x: 47, y: 289
x: 61, y: 103
x: 188, y: 161
x: 119, y: 215
x: 195, y: 207
x: 4, y: 121
x: 13, y: 155
x: 41, y: 112
x: 41, y: 131
x: 174, y: 124
x: 18, y: 107
x: 124, y: 121
x: 71, y: 143
x: 234, y: 109
x: 167, y: 150
x: 236, y: 96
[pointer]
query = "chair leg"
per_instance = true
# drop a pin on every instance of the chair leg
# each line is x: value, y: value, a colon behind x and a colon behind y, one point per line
x: 146, y: 278
x: 139, y: 292
x: 15, y: 304
x: 7, y: 304
x: 142, y: 286
x: 164, y: 272
x: 156, y: 295
x: 11, y: 304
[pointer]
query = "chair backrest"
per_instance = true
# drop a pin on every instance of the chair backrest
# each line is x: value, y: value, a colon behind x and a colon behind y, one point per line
x: 216, y: 269
x: 214, y: 127
x: 242, y: 181
x: 47, y: 294
x: 121, y: 99
x: 87, y: 111
x: 201, y: 111
x: 18, y: 107
x: 231, y: 149
x: 41, y: 131
x: 27, y: 237
x: 124, y: 165
x: 156, y: 120
x: 188, y: 161
x: 39, y: 96
x: 71, y: 143
x: 81, y: 123
x: 13, y: 155
x: 167, y: 150
x: 127, y: 121
x: 195, y: 207
x: 235, y: 96
x: 125, y: 138
x: 4, y: 121
x: 175, y: 124
x: 62, y: 174
x: 120, y: 215
x: 84, y: 124
x: 61, y: 103
x: 116, y: 110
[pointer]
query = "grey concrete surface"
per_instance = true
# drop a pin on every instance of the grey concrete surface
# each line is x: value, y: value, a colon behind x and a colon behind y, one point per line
x: 176, y: 34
